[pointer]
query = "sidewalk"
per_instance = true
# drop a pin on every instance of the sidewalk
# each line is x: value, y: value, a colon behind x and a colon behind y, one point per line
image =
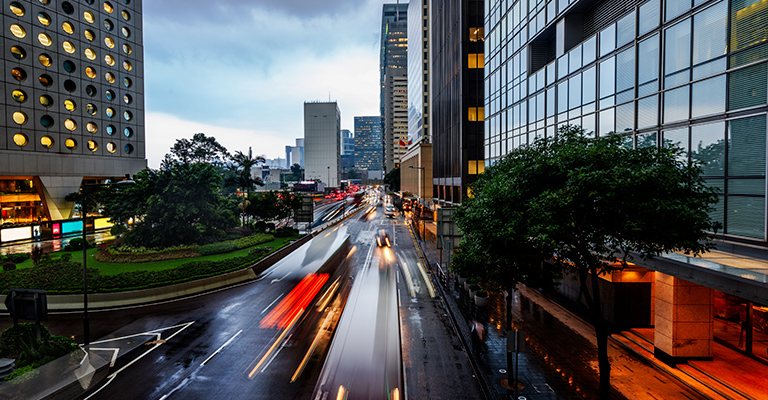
x: 560, y: 361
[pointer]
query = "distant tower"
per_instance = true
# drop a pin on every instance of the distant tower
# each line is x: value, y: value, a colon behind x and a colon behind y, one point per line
x: 394, y: 82
x: 322, y: 140
x: 369, y: 154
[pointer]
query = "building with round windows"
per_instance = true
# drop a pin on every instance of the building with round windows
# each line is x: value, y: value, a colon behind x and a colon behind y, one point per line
x: 72, y: 100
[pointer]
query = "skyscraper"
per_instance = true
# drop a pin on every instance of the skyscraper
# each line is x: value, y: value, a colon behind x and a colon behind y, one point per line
x: 74, y: 102
x: 394, y: 82
x: 322, y: 142
x: 295, y: 154
x: 368, y: 149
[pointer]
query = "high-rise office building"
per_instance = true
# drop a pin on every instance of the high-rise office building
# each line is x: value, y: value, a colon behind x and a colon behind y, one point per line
x: 659, y: 73
x: 456, y: 123
x: 347, y: 142
x: 394, y: 82
x: 295, y: 154
x: 322, y: 142
x: 416, y: 163
x: 73, y: 102
x: 369, y: 154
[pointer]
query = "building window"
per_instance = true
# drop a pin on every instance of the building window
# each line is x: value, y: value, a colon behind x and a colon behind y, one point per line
x: 709, y: 33
x: 127, y: 82
x: 69, y: 66
x: 46, y: 141
x: 67, y: 7
x: 126, y: 16
x: 67, y: 27
x: 127, y: 49
x: 476, y: 60
x: 111, y: 147
x: 68, y: 46
x: 70, y: 86
x: 88, y: 16
x: 20, y: 118
x: 109, y: 77
x: 110, y: 112
x: 677, y: 47
x: 92, y: 145
x: 109, y: 60
x: 127, y: 65
x: 128, y: 115
x: 19, y: 96
x: 128, y: 132
x: 90, y: 90
x: 45, y: 80
x: 109, y: 95
x: 70, y: 143
x: 19, y: 74
x: 46, y: 121
x: 70, y: 124
x: 20, y: 139
x: 747, y: 87
x: 108, y: 7
x: 44, y: 18
x: 128, y: 148
x: 46, y: 101
x: 91, y: 127
x: 476, y: 114
x: 45, y: 60
x: 91, y: 109
x: 44, y: 39
x: 17, y: 8
x: 127, y: 99
x: 109, y: 42
x: 110, y: 129
x: 108, y: 25
x: 90, y: 54
x: 126, y: 32
x: 89, y: 35
x: 18, y: 31
x: 477, y: 34
x: 747, y: 23
x: 476, y: 167
x: 18, y: 52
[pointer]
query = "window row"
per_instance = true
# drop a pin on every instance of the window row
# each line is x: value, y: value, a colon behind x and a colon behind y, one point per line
x: 46, y: 121
x: 22, y: 140
x: 19, y: 10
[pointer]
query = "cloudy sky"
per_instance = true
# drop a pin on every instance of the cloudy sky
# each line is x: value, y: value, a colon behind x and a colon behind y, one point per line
x: 241, y: 70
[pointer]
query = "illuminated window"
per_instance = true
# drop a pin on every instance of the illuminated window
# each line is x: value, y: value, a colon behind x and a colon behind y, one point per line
x: 46, y: 141
x: 70, y: 124
x: 108, y: 25
x: 110, y: 112
x: 70, y: 143
x: 17, y: 8
x: 126, y: 16
x: 45, y: 60
x: 91, y: 127
x: 67, y: 26
x: 109, y: 42
x: 20, y: 139
x: 18, y: 31
x: 477, y: 34
x: 127, y: 99
x: 89, y: 35
x: 67, y: 7
x: 46, y: 2
x: 68, y: 46
x: 19, y: 74
x: 476, y: 114
x: 91, y: 109
x: 18, y: 52
x: 92, y: 145
x: 90, y: 72
x: 46, y: 101
x: 127, y: 49
x: 70, y: 105
x: 45, y: 80
x: 19, y: 96
x: 44, y: 39
x: 109, y: 60
x: 20, y: 118
x: 46, y: 121
x: 109, y: 77
x: 108, y: 7
x: 127, y: 65
x: 110, y: 95
x: 128, y: 148
x: 476, y: 167
x: 69, y: 66
x: 90, y: 54
x: 476, y: 60
x: 69, y: 86
x: 88, y: 16
x: 110, y: 130
x: 127, y: 82
x: 44, y: 18
x: 126, y: 32
x: 90, y: 90
x: 128, y: 115
x: 111, y: 147
x: 128, y: 132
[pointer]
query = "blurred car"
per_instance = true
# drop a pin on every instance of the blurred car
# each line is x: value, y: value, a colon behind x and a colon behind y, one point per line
x: 390, y: 211
x: 382, y: 239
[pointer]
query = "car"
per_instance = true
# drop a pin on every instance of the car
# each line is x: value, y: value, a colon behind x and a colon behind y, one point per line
x: 382, y: 239
x: 389, y: 211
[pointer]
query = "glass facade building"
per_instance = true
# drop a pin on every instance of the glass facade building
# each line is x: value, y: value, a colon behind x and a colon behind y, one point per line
x: 394, y: 82
x: 369, y: 153
x: 686, y: 72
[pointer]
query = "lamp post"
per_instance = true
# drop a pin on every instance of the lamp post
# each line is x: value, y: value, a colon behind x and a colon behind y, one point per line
x: 84, y: 210
x: 421, y: 197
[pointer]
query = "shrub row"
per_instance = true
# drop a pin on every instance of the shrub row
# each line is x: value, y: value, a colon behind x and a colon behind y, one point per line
x: 14, y: 258
x: 237, y: 244
x: 20, y: 343
x: 62, y: 276
x: 111, y: 254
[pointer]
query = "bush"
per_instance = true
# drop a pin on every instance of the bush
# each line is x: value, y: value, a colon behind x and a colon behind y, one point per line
x: 270, y: 226
x: 212, y: 236
x: 9, y: 266
x: 286, y: 231
x: 118, y: 229
x: 36, y: 255
x: 19, y: 342
x: 76, y: 244
x: 232, y: 245
x: 140, y: 254
x: 17, y: 258
x: 260, y: 226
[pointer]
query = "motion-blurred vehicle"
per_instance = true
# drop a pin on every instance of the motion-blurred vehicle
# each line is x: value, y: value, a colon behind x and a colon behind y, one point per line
x: 389, y: 212
x: 382, y: 239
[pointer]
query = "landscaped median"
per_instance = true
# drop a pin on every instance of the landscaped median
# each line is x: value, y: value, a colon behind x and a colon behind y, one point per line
x: 130, y: 282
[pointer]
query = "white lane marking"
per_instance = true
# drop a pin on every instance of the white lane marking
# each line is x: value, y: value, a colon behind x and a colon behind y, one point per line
x: 272, y: 303
x: 112, y: 376
x: 114, y: 354
x: 220, y: 348
x: 408, y: 279
x: 426, y: 280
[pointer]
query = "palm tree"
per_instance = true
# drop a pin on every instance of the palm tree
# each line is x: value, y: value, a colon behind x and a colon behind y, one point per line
x: 240, y: 175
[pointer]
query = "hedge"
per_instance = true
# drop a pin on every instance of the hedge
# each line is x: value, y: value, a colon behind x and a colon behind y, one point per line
x: 237, y: 244
x: 62, y: 276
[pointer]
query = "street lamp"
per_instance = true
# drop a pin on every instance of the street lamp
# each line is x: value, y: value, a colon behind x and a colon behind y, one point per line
x: 84, y: 211
x: 421, y: 197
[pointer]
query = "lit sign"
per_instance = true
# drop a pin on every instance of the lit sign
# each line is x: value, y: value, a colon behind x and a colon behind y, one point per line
x: 11, y: 234
x: 71, y: 227
x: 56, y: 228
x: 101, y: 223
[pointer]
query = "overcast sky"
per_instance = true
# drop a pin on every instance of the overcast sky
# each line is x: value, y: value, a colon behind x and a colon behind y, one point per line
x: 241, y: 70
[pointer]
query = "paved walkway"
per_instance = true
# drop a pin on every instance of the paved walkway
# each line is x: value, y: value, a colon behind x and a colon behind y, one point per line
x: 560, y: 361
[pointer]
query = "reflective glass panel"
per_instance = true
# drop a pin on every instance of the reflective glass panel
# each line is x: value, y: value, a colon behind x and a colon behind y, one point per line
x: 677, y: 47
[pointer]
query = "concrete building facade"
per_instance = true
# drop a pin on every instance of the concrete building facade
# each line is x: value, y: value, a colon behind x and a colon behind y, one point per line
x: 322, y: 140
x: 295, y: 154
x: 73, y: 85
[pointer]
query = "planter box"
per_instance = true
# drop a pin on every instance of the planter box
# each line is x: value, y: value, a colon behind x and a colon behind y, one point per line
x: 481, y: 301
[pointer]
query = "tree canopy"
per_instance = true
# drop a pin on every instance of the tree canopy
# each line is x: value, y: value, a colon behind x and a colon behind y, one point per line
x: 392, y: 178
x: 201, y: 149
x: 581, y: 205
x: 272, y: 205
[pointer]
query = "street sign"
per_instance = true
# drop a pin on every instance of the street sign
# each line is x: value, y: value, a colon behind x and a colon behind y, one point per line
x: 29, y: 304
x: 307, y: 211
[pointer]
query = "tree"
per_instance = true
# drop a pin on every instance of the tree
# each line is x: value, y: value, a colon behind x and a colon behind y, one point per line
x: 239, y: 176
x: 392, y: 178
x: 583, y: 206
x: 298, y: 172
x: 173, y: 205
x: 201, y: 149
x: 272, y: 205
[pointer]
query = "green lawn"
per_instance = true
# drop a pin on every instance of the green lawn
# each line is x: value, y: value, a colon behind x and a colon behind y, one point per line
x: 107, y: 268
